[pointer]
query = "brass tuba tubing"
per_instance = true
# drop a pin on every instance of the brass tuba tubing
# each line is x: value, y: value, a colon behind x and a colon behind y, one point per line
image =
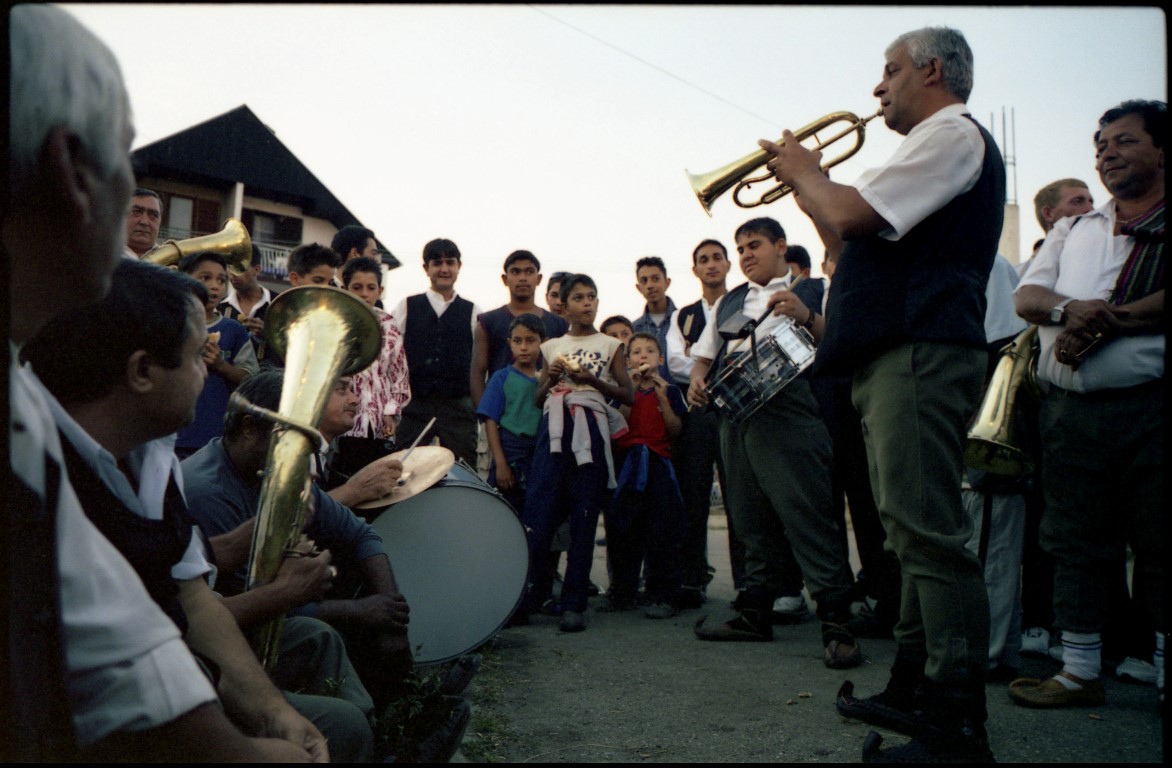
x: 322, y: 333
x: 992, y: 443
x: 232, y: 242
x: 709, y: 186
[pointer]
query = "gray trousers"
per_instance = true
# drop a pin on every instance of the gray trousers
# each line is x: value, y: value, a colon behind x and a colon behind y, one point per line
x: 312, y: 661
x: 778, y: 469
x: 1103, y: 476
x: 1002, y: 558
x: 915, y: 401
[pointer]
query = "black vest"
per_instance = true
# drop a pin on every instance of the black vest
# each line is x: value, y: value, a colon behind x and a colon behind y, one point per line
x: 151, y: 547
x: 439, y: 349
x: 696, y: 312
x: 927, y: 286
x: 733, y: 302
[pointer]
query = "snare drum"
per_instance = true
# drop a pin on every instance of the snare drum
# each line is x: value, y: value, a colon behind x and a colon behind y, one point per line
x: 461, y: 559
x: 750, y: 381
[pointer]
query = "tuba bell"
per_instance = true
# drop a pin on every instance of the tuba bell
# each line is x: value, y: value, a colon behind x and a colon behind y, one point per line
x: 711, y: 185
x: 232, y: 242
x: 322, y: 333
x: 992, y: 445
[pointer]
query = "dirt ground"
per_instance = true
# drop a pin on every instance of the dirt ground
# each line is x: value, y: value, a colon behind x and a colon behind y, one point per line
x: 632, y: 689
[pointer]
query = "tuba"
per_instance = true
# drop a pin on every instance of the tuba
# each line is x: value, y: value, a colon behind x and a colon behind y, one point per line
x: 992, y: 446
x: 232, y: 242
x: 322, y: 333
x: 709, y: 186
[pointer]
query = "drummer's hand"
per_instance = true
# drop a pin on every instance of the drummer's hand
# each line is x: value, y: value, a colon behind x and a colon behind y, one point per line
x: 389, y: 425
x: 306, y: 579
x: 376, y: 480
x: 386, y: 612
x: 787, y: 303
x: 698, y: 393
x: 504, y: 477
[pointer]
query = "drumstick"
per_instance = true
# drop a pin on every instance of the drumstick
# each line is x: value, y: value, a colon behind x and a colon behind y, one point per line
x: 688, y: 325
x: 403, y: 479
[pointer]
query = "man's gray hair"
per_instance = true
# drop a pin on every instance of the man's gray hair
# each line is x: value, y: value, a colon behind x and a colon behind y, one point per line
x: 946, y: 44
x: 62, y: 76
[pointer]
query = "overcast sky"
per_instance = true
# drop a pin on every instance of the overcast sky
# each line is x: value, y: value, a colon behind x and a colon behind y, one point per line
x: 565, y: 130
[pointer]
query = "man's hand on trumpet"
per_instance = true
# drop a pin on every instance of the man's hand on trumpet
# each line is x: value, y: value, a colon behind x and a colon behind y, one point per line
x: 790, y: 159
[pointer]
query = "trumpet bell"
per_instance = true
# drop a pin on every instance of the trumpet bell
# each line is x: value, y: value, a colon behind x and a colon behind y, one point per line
x: 232, y: 242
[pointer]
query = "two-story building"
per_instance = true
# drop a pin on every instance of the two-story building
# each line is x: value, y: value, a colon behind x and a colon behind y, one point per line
x: 234, y: 166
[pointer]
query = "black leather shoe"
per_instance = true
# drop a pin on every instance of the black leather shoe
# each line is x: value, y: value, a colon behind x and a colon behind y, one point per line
x: 883, y: 710
x: 459, y: 675
x: 932, y: 745
x: 441, y: 745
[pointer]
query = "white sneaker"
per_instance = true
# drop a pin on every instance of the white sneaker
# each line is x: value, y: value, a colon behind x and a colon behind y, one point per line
x: 791, y: 606
x: 1035, y: 641
x: 1136, y: 670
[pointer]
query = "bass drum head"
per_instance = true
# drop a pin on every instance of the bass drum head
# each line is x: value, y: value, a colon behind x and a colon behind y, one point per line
x: 459, y: 555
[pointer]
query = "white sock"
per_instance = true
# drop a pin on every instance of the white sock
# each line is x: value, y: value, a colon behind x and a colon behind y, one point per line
x: 1081, y: 656
x: 1158, y: 661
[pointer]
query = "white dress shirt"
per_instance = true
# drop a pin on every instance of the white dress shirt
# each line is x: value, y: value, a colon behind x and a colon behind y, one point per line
x: 438, y: 304
x: 927, y: 171
x: 127, y: 666
x: 679, y: 362
x: 1083, y: 261
x: 756, y: 301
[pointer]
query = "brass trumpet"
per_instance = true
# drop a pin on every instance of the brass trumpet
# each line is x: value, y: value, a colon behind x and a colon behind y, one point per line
x: 709, y: 186
x: 232, y: 242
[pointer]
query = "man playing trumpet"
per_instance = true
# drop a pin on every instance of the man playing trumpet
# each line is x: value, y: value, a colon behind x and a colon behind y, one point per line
x: 906, y: 320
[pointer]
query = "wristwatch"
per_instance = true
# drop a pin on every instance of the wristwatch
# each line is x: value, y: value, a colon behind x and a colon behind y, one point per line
x: 1058, y: 314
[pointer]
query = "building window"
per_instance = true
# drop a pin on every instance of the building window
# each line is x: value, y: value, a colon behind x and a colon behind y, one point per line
x: 180, y: 212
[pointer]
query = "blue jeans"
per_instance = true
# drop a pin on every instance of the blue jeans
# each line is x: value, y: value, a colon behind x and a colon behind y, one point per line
x: 558, y: 487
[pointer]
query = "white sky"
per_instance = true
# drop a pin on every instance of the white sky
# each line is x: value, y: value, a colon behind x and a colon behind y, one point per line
x: 565, y: 130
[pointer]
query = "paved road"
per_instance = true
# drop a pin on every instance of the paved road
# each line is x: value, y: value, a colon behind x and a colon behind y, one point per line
x: 635, y: 689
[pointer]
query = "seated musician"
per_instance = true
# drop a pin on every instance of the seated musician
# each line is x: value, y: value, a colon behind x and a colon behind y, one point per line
x: 778, y: 468
x: 373, y: 480
x: 223, y: 483
x: 118, y: 407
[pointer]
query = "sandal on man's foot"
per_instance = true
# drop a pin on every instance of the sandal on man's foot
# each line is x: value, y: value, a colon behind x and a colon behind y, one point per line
x: 743, y: 628
x: 842, y: 650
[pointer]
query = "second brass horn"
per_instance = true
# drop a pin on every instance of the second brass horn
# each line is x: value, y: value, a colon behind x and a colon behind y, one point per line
x: 232, y: 242
x: 709, y: 186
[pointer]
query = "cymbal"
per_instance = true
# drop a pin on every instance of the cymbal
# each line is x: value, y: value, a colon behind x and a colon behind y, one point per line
x: 426, y: 466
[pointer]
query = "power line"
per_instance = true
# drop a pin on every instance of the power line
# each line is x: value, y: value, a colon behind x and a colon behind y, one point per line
x: 654, y: 66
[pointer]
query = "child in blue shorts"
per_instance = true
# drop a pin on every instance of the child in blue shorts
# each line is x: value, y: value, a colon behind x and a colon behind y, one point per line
x: 509, y: 411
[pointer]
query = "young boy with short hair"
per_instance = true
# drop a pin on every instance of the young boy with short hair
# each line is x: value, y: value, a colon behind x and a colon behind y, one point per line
x: 509, y: 411
x: 618, y: 327
x: 647, y: 515
x: 229, y: 355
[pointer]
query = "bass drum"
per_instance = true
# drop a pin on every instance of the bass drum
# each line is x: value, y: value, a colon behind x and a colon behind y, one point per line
x: 460, y: 557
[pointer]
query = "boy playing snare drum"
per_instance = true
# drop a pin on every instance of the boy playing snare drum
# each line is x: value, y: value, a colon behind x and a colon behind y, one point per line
x: 778, y: 467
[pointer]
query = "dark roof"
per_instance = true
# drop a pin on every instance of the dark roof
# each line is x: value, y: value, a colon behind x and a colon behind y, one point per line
x: 237, y: 146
